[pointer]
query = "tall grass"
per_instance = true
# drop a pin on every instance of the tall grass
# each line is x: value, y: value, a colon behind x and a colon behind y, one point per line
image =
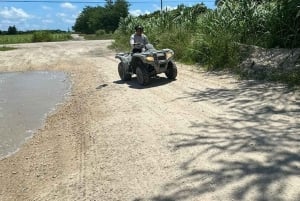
x: 274, y: 23
x: 61, y: 36
x: 215, y: 38
x: 220, y: 31
x: 268, y: 24
x: 284, y: 24
x: 211, y: 37
x: 170, y: 29
x: 13, y: 39
x: 39, y: 36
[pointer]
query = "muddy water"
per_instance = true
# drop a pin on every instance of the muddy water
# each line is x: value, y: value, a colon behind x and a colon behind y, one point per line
x: 25, y: 100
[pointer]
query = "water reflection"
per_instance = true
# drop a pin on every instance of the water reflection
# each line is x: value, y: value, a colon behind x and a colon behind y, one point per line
x: 25, y: 100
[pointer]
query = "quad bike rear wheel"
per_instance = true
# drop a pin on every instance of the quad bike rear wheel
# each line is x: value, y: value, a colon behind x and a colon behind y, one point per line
x: 171, y: 72
x: 143, y: 77
x: 123, y: 72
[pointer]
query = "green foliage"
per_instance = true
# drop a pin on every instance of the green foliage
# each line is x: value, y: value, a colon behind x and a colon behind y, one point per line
x: 5, y: 48
x: 37, y: 36
x: 262, y: 23
x: 41, y: 36
x: 170, y: 29
x: 215, y: 53
x: 284, y: 24
x: 291, y: 78
x: 245, y: 20
x: 61, y: 36
x: 13, y: 39
x: 100, y: 32
x: 213, y: 37
x: 12, y: 30
x: 178, y: 40
x: 266, y: 23
x: 47, y: 36
x: 89, y: 20
x: 107, y: 18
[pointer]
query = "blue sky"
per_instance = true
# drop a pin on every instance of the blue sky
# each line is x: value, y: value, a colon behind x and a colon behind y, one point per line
x: 60, y: 14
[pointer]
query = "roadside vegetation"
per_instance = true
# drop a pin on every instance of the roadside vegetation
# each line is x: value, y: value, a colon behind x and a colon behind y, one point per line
x: 93, y: 19
x: 213, y: 38
x: 33, y: 36
x: 5, y: 48
x: 99, y: 35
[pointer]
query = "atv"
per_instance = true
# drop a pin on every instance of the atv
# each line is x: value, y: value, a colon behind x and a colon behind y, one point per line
x: 146, y: 64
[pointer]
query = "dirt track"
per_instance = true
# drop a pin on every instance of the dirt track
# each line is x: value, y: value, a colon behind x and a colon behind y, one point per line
x: 203, y: 137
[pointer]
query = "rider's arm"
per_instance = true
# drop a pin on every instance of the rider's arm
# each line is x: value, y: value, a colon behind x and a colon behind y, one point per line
x: 132, y: 41
x: 145, y: 40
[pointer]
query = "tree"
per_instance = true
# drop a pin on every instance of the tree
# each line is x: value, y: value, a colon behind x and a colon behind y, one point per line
x: 105, y: 18
x: 12, y: 30
x: 89, y: 20
x: 113, y: 14
x: 109, y: 3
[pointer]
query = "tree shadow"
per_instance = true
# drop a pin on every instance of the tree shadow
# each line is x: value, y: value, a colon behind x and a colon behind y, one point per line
x: 253, y: 151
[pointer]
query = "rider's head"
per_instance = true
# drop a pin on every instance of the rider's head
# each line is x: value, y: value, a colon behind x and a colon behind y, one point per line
x: 139, y: 29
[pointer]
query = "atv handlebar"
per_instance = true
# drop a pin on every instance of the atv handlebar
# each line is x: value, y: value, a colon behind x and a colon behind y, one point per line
x: 138, y: 45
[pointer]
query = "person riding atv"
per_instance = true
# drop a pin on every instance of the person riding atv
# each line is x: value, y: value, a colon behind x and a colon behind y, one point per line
x: 145, y: 61
x: 138, y: 40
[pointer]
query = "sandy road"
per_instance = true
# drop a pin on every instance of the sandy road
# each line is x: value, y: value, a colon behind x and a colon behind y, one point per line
x: 203, y: 137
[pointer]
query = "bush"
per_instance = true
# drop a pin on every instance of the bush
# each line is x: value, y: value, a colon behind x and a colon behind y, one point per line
x: 5, y: 48
x: 215, y: 52
x: 60, y: 36
x: 176, y: 39
x: 100, y: 32
x: 42, y: 36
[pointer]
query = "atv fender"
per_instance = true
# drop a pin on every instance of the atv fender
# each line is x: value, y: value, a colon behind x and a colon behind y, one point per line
x: 125, y: 58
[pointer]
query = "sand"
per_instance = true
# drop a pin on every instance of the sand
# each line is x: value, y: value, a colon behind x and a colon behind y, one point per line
x: 204, y: 137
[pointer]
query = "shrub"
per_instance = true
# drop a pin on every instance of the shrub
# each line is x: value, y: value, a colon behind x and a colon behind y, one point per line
x: 100, y: 32
x: 42, y: 36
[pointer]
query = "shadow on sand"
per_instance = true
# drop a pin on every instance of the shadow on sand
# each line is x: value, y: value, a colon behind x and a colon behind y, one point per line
x: 154, y: 82
x: 255, y: 148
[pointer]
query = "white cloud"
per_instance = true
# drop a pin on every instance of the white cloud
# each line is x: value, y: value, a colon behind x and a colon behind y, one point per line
x: 170, y: 8
x: 165, y: 7
x: 61, y: 15
x: 5, y: 23
x: 68, y: 5
x: 138, y: 12
x: 74, y: 16
x: 46, y: 8
x: 13, y: 13
x: 69, y: 21
x: 47, y: 21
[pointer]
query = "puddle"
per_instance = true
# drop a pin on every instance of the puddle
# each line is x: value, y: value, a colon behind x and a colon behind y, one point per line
x: 25, y: 100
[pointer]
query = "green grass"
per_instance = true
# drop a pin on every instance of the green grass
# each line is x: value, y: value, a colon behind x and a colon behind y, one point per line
x: 5, y: 48
x: 34, y: 37
x: 14, y: 39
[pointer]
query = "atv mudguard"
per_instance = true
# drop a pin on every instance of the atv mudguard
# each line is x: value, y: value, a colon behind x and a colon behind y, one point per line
x: 125, y: 58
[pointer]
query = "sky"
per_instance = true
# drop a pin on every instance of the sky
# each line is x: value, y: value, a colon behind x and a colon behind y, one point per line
x: 60, y: 14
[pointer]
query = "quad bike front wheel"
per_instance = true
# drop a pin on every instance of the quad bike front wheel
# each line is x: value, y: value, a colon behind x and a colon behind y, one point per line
x: 171, y: 72
x: 123, y: 73
x: 142, y: 76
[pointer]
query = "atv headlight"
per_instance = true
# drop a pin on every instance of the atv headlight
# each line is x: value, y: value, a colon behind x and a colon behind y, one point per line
x: 169, y: 55
x: 150, y: 58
